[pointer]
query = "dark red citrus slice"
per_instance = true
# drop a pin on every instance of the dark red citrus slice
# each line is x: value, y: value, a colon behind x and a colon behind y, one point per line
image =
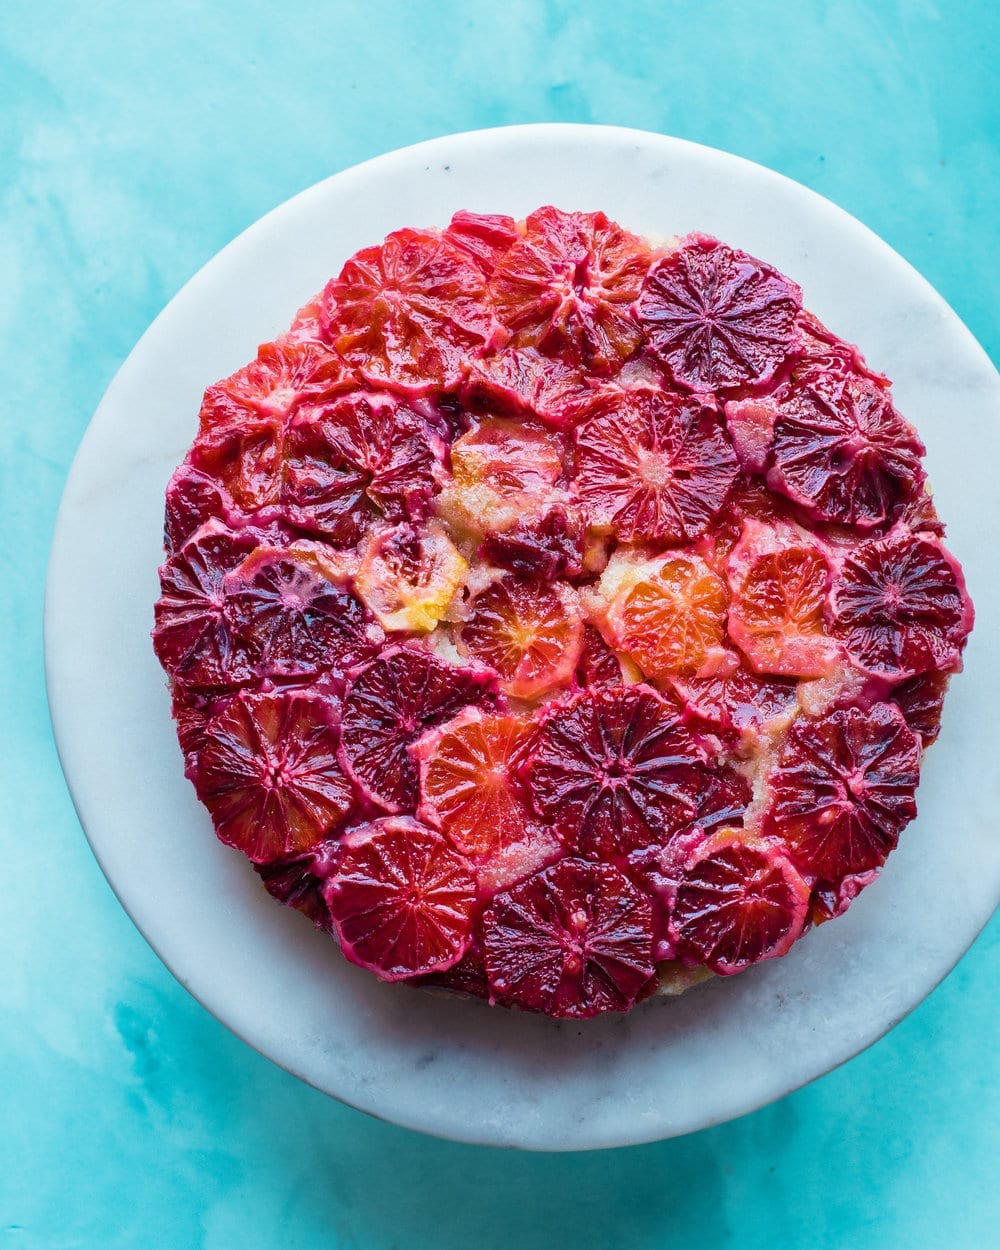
x: 843, y: 452
x: 574, y: 940
x: 468, y: 976
x: 567, y: 287
x: 401, y: 899
x: 842, y: 789
x: 392, y: 701
x: 614, y: 770
x: 737, y: 699
x: 531, y: 634
x: 921, y: 700
x: 660, y: 466
x: 270, y: 387
x: 900, y: 607
x: 468, y: 781
x: 779, y: 589
x: 668, y: 618
x: 832, y: 898
x: 485, y: 236
x: 523, y: 382
x: 739, y: 900
x: 822, y: 351
x: 360, y: 459
x: 293, y: 618
x: 192, y: 712
x: 599, y: 664
x: 192, y: 636
x: 408, y: 577
x: 297, y: 880
x: 268, y: 773
x: 193, y: 498
x: 716, y: 317
x: 409, y: 312
x: 542, y: 548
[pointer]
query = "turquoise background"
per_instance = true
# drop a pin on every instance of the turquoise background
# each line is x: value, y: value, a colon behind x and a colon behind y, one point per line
x: 135, y: 140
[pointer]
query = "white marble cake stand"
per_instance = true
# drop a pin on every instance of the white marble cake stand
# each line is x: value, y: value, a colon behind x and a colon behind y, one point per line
x: 447, y: 1065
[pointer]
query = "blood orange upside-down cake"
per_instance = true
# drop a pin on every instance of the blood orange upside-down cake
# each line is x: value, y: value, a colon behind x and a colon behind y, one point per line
x: 557, y: 617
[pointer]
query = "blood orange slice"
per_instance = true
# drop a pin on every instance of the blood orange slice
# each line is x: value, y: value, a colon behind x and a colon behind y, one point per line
x: 193, y: 499
x: 246, y: 460
x: 739, y: 900
x: 669, y: 617
x: 716, y: 317
x: 900, y: 607
x: 408, y: 313
x: 408, y: 577
x: 599, y: 664
x: 297, y: 880
x: 613, y: 770
x: 293, y: 620
x: 484, y: 236
x: 567, y: 287
x: 657, y: 467
x: 779, y: 589
x: 523, y: 382
x: 832, y: 898
x: 823, y: 352
x: 842, y: 451
x: 392, y: 701
x: 270, y: 387
x: 401, y: 899
x: 268, y: 773
x: 193, y: 638
x: 574, y: 940
x: 531, y: 634
x: 360, y: 459
x: 542, y: 548
x: 921, y: 700
x: 842, y: 790
x: 736, y: 699
x: 468, y: 781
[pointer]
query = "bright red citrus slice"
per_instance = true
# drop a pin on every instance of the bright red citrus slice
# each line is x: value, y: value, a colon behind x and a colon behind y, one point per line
x: 842, y: 789
x: 523, y: 382
x: 567, y: 288
x: 716, y: 317
x: 246, y: 460
x: 900, y: 606
x: 357, y: 460
x: 293, y: 620
x: 193, y: 638
x: 409, y: 312
x: 614, y: 769
x: 659, y: 466
x: 776, y: 616
x: 401, y: 899
x: 408, y: 577
x: 268, y: 773
x: 469, y: 784
x: 392, y: 701
x: 531, y: 634
x: 670, y: 619
x: 843, y: 452
x: 484, y: 236
x: 269, y: 388
x: 576, y: 939
x: 739, y: 900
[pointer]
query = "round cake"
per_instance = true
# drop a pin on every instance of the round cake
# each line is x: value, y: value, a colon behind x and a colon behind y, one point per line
x: 556, y: 616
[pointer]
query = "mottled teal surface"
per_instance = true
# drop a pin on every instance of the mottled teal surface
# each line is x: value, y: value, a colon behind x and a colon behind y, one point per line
x: 136, y: 138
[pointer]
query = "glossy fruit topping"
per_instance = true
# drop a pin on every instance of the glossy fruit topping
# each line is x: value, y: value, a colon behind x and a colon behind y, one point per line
x: 612, y: 770
x: 739, y: 900
x: 557, y: 617
x: 574, y: 940
x: 567, y: 287
x: 401, y: 899
x: 390, y: 703
x: 658, y: 467
x: 468, y: 781
x: 269, y: 776
x: 900, y: 607
x: 717, y: 317
x: 842, y: 789
x: 530, y: 634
